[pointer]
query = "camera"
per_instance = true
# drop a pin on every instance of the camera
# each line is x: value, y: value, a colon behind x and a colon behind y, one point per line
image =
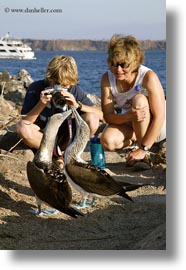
x: 57, y: 99
x: 50, y: 90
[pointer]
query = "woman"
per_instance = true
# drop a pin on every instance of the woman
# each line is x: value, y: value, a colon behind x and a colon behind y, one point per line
x: 39, y: 104
x: 142, y: 117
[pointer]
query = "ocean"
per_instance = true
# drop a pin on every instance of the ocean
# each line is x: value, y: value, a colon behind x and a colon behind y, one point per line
x: 91, y: 66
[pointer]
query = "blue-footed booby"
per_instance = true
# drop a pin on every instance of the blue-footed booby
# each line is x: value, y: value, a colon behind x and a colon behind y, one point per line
x: 48, y: 181
x: 88, y: 179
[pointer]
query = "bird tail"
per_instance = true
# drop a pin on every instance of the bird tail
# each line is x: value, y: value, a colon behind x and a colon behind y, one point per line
x: 125, y: 195
x: 129, y: 187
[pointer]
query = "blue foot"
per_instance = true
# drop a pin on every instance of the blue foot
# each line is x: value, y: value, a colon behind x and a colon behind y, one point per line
x: 50, y: 211
x: 85, y: 203
x: 35, y: 212
x: 44, y: 212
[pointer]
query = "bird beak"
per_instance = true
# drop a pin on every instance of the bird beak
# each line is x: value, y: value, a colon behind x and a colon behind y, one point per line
x: 76, y: 115
x: 67, y: 113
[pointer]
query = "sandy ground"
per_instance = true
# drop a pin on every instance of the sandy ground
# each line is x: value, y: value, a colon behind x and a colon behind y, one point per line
x: 111, y: 224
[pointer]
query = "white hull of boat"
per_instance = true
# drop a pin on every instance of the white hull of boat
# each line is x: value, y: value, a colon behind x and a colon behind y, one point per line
x: 15, y: 49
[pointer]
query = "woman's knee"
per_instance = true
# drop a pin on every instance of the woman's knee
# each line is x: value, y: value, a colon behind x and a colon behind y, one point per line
x: 139, y: 101
x: 109, y: 142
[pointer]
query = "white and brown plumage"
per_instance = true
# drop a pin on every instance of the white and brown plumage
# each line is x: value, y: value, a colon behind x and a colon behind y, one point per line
x: 88, y: 179
x: 49, y: 182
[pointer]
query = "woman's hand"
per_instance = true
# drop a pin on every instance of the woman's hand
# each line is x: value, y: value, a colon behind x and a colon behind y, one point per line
x: 135, y: 155
x: 139, y: 114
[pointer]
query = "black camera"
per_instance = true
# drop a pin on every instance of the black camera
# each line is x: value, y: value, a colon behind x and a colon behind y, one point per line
x: 57, y: 99
x: 56, y: 87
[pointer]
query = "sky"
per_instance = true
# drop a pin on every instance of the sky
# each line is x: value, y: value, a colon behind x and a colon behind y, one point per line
x: 83, y: 19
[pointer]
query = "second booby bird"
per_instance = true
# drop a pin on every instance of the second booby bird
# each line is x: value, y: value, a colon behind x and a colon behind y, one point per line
x: 88, y: 179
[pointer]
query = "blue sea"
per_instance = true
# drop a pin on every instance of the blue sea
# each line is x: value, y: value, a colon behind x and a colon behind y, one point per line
x: 91, y: 66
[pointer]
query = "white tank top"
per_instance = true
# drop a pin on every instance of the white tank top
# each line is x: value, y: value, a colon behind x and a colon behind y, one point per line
x: 123, y: 99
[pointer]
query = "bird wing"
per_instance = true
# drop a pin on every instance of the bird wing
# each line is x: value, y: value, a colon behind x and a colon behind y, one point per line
x: 52, y: 188
x: 92, y: 179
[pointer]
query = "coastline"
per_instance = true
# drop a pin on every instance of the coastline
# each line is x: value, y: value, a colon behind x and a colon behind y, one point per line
x: 86, y: 45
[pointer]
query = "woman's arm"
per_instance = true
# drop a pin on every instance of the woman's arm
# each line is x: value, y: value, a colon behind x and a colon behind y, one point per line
x: 157, y: 107
x: 156, y: 98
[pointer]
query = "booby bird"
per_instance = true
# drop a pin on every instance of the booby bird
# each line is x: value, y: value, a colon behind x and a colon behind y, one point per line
x: 48, y: 181
x: 88, y: 179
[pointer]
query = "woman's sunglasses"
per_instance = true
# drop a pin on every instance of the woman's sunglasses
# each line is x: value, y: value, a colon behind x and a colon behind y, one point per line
x: 122, y: 65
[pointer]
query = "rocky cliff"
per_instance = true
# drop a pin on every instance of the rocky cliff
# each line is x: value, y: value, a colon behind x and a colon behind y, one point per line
x: 83, y: 45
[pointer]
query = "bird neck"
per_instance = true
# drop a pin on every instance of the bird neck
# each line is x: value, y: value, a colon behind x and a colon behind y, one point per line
x: 76, y: 148
x: 45, y: 151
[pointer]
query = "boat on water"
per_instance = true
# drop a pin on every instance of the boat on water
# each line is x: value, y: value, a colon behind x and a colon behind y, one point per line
x: 11, y: 48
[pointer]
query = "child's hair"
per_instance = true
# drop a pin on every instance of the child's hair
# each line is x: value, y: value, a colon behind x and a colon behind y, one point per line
x: 62, y: 70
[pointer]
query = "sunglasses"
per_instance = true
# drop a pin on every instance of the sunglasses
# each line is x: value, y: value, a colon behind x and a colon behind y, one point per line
x: 122, y: 65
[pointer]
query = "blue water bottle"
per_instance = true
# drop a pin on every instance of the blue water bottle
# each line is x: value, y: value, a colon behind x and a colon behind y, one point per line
x: 97, y: 153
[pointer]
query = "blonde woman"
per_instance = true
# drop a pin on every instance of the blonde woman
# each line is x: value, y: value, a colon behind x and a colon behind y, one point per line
x: 38, y: 105
x: 137, y: 91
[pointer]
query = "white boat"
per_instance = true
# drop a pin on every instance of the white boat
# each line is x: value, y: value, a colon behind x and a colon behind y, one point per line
x: 11, y: 48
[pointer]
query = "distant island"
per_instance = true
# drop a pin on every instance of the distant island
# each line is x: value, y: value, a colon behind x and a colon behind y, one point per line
x: 85, y: 45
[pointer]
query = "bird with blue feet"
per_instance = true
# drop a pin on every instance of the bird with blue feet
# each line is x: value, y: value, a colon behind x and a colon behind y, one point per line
x: 46, y: 179
x: 88, y: 179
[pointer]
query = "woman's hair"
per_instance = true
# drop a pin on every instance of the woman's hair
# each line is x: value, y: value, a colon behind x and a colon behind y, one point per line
x: 62, y: 70
x: 125, y: 49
